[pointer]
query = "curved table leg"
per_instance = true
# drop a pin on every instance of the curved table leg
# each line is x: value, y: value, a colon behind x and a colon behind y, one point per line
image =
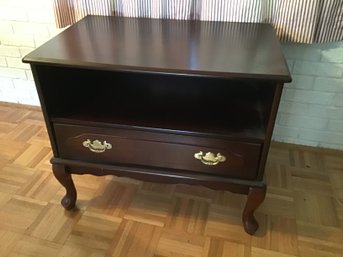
x: 256, y: 196
x: 69, y: 200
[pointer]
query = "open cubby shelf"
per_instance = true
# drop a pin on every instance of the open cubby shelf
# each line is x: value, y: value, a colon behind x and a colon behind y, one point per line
x: 234, y: 108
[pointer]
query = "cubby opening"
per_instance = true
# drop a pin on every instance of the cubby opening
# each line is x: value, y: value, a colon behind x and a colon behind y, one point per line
x: 237, y: 108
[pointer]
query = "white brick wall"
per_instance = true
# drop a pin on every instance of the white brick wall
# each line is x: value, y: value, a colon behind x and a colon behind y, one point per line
x: 311, y: 108
x: 24, y: 25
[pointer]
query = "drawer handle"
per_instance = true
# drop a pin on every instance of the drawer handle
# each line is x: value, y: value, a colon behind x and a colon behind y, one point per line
x: 97, y: 146
x: 210, y: 158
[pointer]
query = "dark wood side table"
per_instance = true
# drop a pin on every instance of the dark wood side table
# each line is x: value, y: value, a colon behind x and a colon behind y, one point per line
x: 165, y: 101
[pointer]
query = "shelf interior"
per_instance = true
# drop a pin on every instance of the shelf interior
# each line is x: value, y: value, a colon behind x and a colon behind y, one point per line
x: 234, y: 108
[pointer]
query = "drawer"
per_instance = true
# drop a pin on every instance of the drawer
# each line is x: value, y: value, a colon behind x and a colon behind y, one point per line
x: 153, y: 149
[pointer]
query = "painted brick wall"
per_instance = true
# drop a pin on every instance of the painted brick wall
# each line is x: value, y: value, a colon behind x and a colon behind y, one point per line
x: 311, y: 110
x: 24, y: 25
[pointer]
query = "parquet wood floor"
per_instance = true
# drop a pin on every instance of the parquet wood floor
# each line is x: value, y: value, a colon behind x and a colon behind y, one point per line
x: 301, y: 216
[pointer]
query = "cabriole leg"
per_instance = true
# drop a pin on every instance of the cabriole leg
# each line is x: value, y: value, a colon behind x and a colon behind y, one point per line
x: 256, y: 196
x: 69, y: 200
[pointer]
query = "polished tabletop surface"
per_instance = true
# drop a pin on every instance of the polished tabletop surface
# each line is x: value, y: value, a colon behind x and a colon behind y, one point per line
x: 206, y: 48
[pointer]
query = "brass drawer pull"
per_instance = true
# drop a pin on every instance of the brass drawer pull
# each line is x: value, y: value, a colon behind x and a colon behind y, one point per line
x: 97, y: 146
x: 210, y: 158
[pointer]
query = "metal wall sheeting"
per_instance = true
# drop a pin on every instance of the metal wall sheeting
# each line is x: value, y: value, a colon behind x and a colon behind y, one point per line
x: 303, y: 21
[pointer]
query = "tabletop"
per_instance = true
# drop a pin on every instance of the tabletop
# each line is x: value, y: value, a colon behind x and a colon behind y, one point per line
x: 205, y: 48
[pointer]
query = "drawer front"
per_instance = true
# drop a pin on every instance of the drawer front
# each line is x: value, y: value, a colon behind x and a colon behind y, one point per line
x: 152, y: 149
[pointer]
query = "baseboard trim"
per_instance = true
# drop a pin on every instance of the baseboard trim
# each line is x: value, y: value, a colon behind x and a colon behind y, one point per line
x: 21, y: 106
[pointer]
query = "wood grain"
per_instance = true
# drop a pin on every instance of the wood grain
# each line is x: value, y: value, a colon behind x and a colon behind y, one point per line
x: 302, y: 214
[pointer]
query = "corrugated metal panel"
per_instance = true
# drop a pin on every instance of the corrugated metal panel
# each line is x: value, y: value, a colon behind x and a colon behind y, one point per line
x: 305, y: 21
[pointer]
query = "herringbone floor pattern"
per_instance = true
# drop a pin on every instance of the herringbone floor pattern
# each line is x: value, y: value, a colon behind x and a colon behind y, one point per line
x: 301, y: 216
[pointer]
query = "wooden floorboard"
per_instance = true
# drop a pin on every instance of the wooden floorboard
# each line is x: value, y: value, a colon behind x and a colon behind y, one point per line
x: 302, y: 214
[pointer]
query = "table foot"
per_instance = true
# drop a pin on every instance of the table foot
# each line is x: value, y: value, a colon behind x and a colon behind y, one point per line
x: 256, y: 196
x: 69, y: 200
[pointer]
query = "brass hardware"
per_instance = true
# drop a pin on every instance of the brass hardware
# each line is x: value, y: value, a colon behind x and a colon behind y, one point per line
x: 97, y: 146
x: 210, y: 158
